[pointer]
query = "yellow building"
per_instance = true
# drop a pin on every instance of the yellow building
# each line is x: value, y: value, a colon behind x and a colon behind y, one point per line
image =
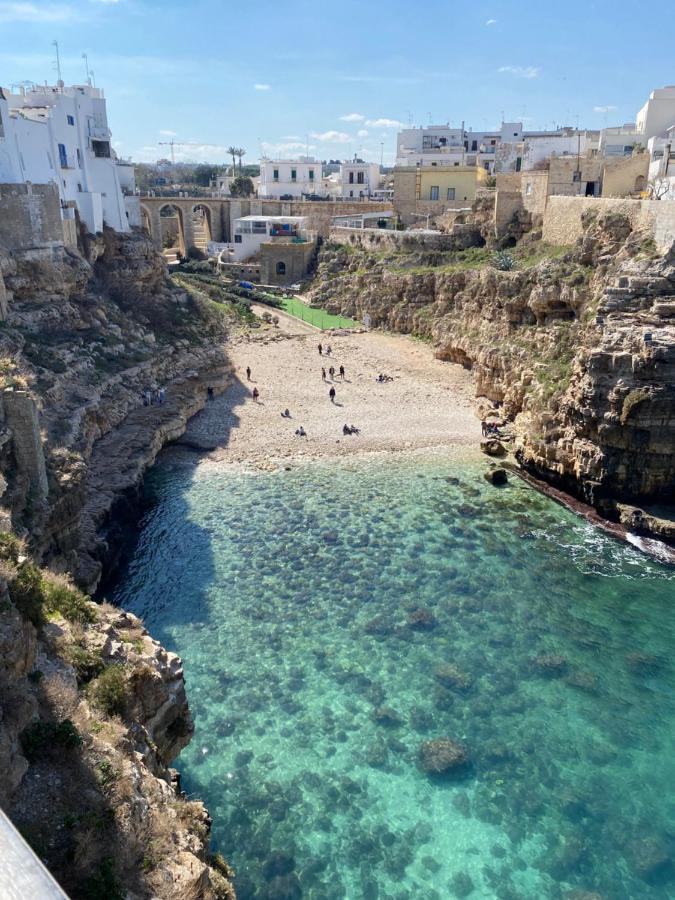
x: 421, y: 190
x: 452, y: 183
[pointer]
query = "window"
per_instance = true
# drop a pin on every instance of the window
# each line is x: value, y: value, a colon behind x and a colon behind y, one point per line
x: 456, y: 164
x: 275, y: 174
x: 79, y: 187
x: 294, y: 174
x: 519, y: 163
x: 361, y: 178
x: 63, y: 156
x: 515, y: 134
x: 311, y: 174
x: 281, y: 268
x: 351, y: 178
x: 237, y: 239
x: 70, y: 120
x: 474, y: 145
x: 79, y: 157
x: 451, y: 194
x: 433, y: 193
x: 101, y: 149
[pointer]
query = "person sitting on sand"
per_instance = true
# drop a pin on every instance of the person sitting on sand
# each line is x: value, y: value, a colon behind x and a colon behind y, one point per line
x: 354, y: 430
x: 346, y: 429
x: 286, y: 414
x: 300, y: 432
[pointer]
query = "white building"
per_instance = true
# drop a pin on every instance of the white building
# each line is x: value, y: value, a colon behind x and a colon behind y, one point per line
x: 60, y: 134
x: 358, y: 179
x: 658, y: 113
x: 251, y: 232
x: 662, y: 165
x: 288, y: 179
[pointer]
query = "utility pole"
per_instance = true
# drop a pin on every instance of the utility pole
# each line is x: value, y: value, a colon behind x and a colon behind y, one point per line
x: 381, y: 154
x: 86, y: 67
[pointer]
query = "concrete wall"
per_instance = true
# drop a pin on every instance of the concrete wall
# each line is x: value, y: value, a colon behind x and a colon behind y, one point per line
x: 395, y: 240
x: 562, y: 220
x: 534, y: 189
x: 30, y: 215
x: 507, y: 204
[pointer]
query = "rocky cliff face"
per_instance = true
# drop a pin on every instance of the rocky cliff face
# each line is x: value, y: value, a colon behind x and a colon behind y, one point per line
x: 575, y: 345
x: 92, y: 710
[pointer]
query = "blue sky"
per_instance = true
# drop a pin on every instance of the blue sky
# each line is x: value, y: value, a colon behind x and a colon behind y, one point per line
x: 340, y: 77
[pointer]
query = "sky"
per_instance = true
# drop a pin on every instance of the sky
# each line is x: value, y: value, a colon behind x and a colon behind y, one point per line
x: 335, y: 79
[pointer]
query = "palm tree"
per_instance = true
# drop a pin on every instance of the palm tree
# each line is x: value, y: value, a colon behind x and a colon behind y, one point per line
x: 240, y: 152
x: 233, y: 151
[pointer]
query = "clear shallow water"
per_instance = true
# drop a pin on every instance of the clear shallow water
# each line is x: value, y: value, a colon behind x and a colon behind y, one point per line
x: 288, y: 597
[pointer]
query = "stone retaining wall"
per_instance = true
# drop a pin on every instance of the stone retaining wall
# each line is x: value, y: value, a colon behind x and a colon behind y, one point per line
x: 562, y: 218
x: 30, y: 215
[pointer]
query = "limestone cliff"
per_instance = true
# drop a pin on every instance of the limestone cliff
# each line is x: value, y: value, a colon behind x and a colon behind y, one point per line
x: 92, y: 710
x: 575, y: 345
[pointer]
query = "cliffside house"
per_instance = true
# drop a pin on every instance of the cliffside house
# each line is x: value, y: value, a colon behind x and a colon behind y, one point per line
x: 59, y: 134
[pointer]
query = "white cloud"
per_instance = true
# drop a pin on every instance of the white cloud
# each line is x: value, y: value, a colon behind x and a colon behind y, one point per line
x: 604, y: 109
x: 384, y: 123
x: 290, y: 137
x: 166, y: 133
x: 42, y: 13
x: 352, y: 117
x: 362, y: 132
x: 491, y: 22
x: 262, y: 87
x: 332, y: 137
x: 521, y: 71
x: 286, y: 148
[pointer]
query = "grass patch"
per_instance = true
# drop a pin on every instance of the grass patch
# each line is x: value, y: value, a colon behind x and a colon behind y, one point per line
x: 317, y: 317
x: 631, y: 401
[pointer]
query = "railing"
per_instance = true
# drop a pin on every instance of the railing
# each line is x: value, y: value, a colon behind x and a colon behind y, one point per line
x: 22, y: 875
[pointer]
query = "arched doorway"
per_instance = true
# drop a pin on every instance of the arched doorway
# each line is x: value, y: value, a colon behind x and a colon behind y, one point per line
x: 201, y: 226
x: 172, y: 232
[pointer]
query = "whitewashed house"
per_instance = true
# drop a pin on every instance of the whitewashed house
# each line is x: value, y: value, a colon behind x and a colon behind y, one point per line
x: 358, y: 179
x: 662, y: 165
x: 60, y: 134
x: 289, y: 179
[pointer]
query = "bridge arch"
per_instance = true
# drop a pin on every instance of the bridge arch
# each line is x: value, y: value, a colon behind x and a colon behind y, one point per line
x: 202, y: 225
x: 172, y: 229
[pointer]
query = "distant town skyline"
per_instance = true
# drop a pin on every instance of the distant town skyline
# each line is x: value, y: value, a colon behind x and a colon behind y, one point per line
x: 290, y: 80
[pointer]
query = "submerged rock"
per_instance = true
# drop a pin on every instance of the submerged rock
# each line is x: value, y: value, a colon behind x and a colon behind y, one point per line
x: 550, y: 665
x: 421, y: 619
x: 496, y: 477
x: 443, y: 757
x: 493, y: 447
x: 650, y: 857
x: 385, y: 715
x: 452, y: 677
x: 461, y: 884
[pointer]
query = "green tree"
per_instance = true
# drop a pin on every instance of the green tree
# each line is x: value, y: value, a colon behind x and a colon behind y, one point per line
x: 204, y: 174
x: 242, y: 186
x: 232, y: 150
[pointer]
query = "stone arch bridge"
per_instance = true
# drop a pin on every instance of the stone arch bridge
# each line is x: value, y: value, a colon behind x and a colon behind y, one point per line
x: 203, y: 219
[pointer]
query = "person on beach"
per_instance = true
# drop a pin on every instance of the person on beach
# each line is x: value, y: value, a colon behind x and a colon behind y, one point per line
x: 483, y: 428
x: 162, y: 396
x: 331, y: 394
x: 354, y: 430
x: 256, y: 394
x: 323, y: 374
x: 331, y: 372
x: 286, y: 414
x: 300, y: 432
x: 248, y: 373
x: 320, y: 350
x: 342, y: 372
x: 209, y: 393
x: 328, y: 350
x: 346, y: 429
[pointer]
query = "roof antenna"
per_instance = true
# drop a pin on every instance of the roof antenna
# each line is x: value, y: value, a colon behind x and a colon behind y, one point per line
x: 55, y: 44
x: 86, y: 66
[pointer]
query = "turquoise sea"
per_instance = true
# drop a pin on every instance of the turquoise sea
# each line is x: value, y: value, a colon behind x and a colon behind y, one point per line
x: 335, y: 617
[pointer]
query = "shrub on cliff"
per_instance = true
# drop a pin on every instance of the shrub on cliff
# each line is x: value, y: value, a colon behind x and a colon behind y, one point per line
x: 109, y: 690
x: 42, y: 738
x: 630, y: 401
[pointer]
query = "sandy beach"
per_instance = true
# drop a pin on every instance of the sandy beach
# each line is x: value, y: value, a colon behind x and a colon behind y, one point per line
x: 428, y: 403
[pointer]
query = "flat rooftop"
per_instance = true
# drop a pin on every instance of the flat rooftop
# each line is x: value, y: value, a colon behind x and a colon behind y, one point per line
x: 291, y: 219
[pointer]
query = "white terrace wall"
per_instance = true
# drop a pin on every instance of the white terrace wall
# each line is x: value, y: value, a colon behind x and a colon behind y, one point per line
x: 562, y: 219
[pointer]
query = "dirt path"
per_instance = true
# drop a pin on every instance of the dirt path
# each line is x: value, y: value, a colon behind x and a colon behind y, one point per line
x: 427, y: 404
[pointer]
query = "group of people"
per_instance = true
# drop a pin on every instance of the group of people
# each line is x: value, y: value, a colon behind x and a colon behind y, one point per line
x: 154, y: 398
x: 350, y: 429
x: 489, y: 429
x: 327, y: 350
x: 382, y: 378
x: 331, y: 372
